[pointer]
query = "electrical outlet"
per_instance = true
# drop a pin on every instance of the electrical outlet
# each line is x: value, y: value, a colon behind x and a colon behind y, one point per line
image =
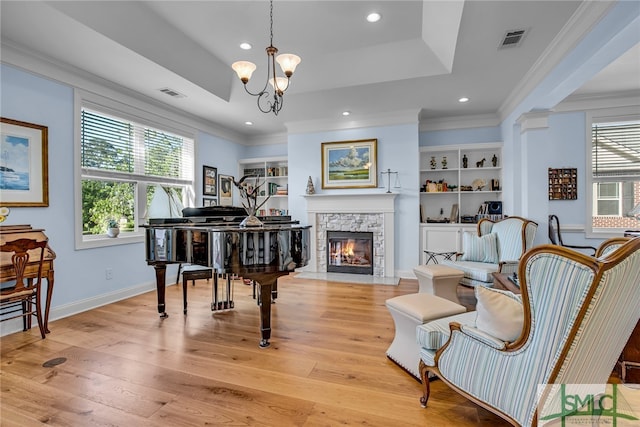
x: 108, y: 273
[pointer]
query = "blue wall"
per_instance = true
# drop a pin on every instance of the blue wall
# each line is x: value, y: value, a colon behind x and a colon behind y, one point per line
x: 460, y: 136
x: 80, y: 280
x: 397, y: 150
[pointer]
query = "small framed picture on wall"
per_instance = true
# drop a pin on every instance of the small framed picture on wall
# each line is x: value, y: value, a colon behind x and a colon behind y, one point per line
x: 226, y: 190
x: 207, y: 201
x: 209, y: 181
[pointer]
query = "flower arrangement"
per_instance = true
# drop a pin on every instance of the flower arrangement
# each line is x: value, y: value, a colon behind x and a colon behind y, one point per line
x: 249, y: 196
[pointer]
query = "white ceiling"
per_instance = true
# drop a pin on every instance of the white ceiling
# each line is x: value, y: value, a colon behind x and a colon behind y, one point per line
x: 422, y: 56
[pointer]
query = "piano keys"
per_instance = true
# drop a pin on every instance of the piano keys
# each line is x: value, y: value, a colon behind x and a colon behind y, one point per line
x: 9, y: 233
x: 261, y: 254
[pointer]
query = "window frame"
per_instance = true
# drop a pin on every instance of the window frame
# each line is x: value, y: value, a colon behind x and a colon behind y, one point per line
x: 122, y: 111
x: 617, y: 114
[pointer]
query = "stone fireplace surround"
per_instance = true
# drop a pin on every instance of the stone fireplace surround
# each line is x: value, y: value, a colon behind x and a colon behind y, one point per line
x: 374, y: 212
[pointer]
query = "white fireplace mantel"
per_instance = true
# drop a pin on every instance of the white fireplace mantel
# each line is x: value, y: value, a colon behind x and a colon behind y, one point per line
x: 351, y: 203
x: 363, y: 203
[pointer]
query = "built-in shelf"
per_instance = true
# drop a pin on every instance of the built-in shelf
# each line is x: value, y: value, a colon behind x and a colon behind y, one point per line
x: 465, y: 168
x: 274, y: 172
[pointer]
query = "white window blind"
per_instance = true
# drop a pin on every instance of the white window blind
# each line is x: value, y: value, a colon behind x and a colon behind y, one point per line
x: 616, y: 151
x: 117, y: 148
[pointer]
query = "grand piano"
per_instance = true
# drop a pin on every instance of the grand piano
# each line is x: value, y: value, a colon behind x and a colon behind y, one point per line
x: 212, y: 237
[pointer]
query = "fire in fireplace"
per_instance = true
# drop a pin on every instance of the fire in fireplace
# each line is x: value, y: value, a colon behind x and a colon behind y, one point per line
x: 350, y: 252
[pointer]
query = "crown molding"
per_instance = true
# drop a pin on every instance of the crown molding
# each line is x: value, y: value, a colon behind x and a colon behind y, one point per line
x: 46, y: 67
x: 581, y: 22
x: 599, y: 101
x: 354, y: 122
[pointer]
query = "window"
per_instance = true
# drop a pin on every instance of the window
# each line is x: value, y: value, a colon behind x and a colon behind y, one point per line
x: 130, y: 171
x: 615, y: 180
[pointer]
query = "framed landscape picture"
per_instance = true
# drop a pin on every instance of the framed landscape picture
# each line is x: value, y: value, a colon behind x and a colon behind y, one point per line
x: 349, y: 164
x: 209, y: 181
x: 24, y: 173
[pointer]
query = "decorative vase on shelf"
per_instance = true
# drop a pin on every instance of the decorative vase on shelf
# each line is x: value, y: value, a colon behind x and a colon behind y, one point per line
x: 113, y: 228
x: 433, y: 162
x: 465, y: 161
x: 113, y: 231
x: 494, y: 161
x: 310, y: 188
x: 444, y: 162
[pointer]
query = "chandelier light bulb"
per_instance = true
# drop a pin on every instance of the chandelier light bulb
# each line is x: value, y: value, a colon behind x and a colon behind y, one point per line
x: 244, y: 69
x: 288, y: 62
x: 281, y: 84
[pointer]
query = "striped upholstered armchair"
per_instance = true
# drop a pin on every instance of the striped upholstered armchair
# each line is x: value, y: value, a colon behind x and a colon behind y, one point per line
x: 578, y: 312
x: 497, y: 247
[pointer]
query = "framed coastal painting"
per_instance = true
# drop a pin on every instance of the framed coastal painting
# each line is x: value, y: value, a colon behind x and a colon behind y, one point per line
x: 24, y: 171
x: 209, y: 181
x: 349, y: 164
x: 226, y: 190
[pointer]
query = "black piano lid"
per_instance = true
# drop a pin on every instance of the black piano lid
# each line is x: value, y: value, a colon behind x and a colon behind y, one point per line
x: 214, y: 211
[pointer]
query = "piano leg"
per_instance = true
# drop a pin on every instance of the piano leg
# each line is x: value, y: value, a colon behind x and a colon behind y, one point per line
x: 267, y: 282
x: 265, y: 311
x: 161, y: 274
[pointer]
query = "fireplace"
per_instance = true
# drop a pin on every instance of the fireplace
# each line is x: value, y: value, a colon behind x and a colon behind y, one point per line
x: 350, y: 252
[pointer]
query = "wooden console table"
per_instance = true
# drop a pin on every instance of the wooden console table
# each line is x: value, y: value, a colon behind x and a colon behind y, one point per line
x: 502, y: 281
x: 10, y: 233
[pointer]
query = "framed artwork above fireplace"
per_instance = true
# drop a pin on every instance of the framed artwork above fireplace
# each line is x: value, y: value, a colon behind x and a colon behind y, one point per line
x: 350, y: 164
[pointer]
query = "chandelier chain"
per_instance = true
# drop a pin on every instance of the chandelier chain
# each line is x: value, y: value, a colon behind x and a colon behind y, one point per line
x: 288, y: 62
x: 271, y: 20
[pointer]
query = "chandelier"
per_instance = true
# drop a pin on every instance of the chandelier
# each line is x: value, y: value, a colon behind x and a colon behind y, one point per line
x: 268, y: 102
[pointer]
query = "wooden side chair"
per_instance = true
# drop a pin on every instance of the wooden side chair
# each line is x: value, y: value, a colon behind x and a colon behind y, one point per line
x: 20, y: 297
x: 555, y: 237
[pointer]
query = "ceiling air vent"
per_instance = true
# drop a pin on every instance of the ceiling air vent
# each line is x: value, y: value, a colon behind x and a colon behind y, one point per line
x: 512, y: 38
x: 172, y: 92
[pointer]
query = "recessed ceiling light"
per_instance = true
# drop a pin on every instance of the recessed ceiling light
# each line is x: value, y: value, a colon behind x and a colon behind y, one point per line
x: 463, y: 99
x: 346, y: 113
x: 248, y: 123
x: 374, y: 17
x: 245, y: 46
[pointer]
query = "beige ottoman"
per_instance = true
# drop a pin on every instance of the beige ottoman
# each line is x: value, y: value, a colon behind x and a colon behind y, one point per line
x: 440, y: 280
x: 409, y: 311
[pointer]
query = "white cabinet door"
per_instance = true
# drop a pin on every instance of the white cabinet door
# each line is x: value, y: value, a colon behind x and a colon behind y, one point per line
x: 442, y: 238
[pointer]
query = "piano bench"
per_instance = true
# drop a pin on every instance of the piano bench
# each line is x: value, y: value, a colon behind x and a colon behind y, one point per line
x: 193, y: 274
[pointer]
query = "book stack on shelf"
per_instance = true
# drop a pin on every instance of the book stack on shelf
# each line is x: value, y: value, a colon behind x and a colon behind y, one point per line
x: 278, y: 212
x: 490, y: 210
x: 278, y: 171
x: 254, y: 172
x: 282, y: 190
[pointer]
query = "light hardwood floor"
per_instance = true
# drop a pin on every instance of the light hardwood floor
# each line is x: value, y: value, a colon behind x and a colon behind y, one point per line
x: 126, y: 367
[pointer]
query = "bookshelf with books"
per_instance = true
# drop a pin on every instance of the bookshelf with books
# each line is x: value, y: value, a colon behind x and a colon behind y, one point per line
x: 274, y: 171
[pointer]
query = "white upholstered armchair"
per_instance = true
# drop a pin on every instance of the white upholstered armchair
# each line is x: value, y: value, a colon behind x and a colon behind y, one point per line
x: 497, y: 248
x: 578, y: 313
